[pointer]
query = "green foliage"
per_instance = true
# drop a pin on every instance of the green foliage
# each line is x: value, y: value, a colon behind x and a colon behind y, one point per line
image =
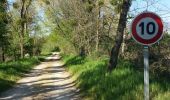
x: 101, y: 2
x: 61, y: 35
x: 124, y: 83
x: 15, y: 5
x: 56, y: 49
x: 4, y: 36
x: 10, y: 72
x: 117, y: 4
x: 3, y: 24
x: 89, y: 7
x: 78, y: 25
x: 47, y: 2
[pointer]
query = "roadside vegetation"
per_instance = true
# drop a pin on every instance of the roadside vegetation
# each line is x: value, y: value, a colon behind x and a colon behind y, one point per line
x: 12, y: 71
x: 124, y: 83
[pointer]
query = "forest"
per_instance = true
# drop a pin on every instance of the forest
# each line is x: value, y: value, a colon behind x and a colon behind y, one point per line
x: 95, y: 44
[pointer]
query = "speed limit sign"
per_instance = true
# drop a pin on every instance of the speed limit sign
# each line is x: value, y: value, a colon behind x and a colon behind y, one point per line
x: 147, y: 28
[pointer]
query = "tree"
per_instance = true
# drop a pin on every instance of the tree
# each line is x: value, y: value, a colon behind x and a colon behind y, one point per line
x: 3, y: 28
x: 82, y: 24
x: 23, y: 7
x: 119, y: 35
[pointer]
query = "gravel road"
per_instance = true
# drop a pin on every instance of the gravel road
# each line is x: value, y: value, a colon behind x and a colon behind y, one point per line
x: 47, y: 81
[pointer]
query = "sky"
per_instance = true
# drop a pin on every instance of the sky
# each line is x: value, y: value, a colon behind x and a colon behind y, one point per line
x: 10, y: 1
x: 160, y: 7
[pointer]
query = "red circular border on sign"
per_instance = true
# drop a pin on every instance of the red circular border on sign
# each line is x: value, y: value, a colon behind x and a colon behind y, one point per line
x: 155, y: 38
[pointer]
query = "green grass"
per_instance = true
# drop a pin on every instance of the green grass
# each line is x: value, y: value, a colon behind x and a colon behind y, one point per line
x: 10, y: 72
x: 124, y: 83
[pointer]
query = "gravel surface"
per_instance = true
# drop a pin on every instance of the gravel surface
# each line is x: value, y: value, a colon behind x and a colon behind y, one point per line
x: 47, y: 81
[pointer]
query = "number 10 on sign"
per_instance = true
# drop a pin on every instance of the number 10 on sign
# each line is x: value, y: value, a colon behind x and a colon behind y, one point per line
x: 149, y: 27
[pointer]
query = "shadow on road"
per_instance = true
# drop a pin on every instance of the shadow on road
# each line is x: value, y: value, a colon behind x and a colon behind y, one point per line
x: 48, y: 81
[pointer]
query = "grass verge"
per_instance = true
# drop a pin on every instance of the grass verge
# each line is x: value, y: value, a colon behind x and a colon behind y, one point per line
x: 10, y: 72
x: 124, y: 83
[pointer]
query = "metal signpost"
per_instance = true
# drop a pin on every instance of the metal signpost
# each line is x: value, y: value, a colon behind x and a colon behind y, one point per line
x: 146, y: 29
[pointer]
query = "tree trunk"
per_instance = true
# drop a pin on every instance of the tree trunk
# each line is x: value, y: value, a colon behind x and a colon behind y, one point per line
x: 14, y: 55
x: 97, y: 30
x: 22, y: 39
x: 119, y: 35
x: 24, y: 12
x: 3, y: 54
x: 123, y: 44
x: 22, y: 29
x: 82, y: 51
x: 22, y: 49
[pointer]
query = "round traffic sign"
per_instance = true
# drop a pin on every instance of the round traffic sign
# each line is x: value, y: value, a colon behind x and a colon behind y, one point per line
x: 147, y: 28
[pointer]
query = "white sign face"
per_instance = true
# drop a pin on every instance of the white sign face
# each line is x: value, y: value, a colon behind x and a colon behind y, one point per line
x: 147, y: 28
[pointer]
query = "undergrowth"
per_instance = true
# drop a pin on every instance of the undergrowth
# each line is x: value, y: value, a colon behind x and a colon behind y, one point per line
x: 12, y: 71
x: 124, y: 83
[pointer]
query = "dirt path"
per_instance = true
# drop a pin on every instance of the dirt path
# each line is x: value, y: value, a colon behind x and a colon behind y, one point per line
x: 47, y: 81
